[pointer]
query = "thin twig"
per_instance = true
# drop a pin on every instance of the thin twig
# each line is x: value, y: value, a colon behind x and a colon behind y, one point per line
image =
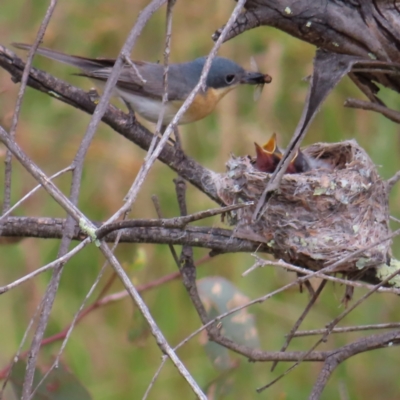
x: 329, y: 327
x: 75, y: 320
x: 186, y: 263
x: 393, y: 180
x: 303, y: 271
x: 156, y: 203
x: 346, y: 329
x: 376, y: 71
x: 19, y: 350
x: 177, y: 222
x: 290, y: 335
x: 128, y: 60
x: 34, y: 190
x: 101, y: 302
x: 17, y: 110
x: 51, y: 265
x: 134, y: 34
x: 76, y: 182
x: 44, y: 180
x: 332, y: 324
x: 367, y: 105
x: 160, y: 339
x: 167, y: 50
x: 153, y: 380
x: 249, y: 352
x: 219, y: 240
x: 69, y: 331
x: 372, y: 342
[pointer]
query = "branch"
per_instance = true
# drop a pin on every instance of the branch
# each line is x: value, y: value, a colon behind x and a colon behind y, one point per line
x: 178, y: 222
x: 345, y: 329
x: 337, y: 357
x: 358, y: 27
x: 21, y: 93
x: 367, y: 29
x: 217, y: 239
x: 393, y: 115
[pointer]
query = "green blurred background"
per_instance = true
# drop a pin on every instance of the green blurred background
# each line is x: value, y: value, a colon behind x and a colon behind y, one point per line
x: 100, y: 353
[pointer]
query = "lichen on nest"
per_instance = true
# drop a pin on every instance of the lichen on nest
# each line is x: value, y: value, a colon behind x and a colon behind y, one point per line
x: 318, y: 217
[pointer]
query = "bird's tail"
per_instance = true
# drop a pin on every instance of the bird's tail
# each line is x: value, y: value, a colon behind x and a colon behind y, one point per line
x: 83, y: 63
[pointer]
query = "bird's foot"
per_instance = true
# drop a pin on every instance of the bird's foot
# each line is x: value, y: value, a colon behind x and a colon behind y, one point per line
x: 131, y: 114
x: 179, y: 154
x: 175, y: 142
x: 178, y: 142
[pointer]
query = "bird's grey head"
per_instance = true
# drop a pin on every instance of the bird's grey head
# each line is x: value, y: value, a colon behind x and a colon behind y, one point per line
x: 224, y: 73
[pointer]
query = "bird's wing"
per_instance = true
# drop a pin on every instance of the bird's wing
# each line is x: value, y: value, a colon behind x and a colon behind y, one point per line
x: 152, y: 73
x: 178, y: 87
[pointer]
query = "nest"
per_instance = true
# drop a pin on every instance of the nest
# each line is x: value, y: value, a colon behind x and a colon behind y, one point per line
x: 318, y: 217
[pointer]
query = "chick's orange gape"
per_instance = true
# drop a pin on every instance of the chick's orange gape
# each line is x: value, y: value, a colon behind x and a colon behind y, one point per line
x: 269, y: 155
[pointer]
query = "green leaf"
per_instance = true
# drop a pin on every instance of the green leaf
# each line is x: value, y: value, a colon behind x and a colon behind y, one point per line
x: 60, y: 384
x: 219, y: 296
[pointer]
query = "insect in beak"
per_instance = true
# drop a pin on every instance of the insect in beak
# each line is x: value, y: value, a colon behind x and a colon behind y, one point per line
x: 265, y: 79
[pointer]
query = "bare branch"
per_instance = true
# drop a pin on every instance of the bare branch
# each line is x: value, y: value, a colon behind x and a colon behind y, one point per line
x: 75, y: 319
x: 160, y: 339
x: 153, y: 380
x: 393, y: 180
x: 53, y: 264
x: 367, y: 105
x: 346, y: 329
x: 186, y: 263
x: 330, y: 326
x: 292, y: 332
x: 219, y: 240
x: 178, y: 222
x: 339, y: 355
x: 44, y: 180
x: 29, y: 194
x: 21, y: 92
x: 7, y: 373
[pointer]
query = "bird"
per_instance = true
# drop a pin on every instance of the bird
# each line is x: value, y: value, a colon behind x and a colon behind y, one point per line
x: 144, y: 96
x: 269, y: 155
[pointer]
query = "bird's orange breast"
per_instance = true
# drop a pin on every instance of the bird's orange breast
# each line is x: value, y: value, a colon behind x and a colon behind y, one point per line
x: 203, y: 104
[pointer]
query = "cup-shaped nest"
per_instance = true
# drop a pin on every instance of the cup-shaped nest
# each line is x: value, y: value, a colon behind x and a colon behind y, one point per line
x: 319, y: 217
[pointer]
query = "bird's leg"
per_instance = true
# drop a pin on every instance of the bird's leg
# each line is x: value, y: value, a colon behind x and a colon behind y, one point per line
x: 179, y: 154
x: 132, y: 117
x: 178, y: 143
x: 162, y: 130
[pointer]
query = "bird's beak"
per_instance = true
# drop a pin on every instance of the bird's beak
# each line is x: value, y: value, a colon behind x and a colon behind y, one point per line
x: 255, y: 78
x: 267, y: 156
x: 270, y: 146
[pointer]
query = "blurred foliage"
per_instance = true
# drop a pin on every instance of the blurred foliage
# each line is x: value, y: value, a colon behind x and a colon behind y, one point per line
x: 59, y: 384
x: 99, y: 352
x: 219, y: 296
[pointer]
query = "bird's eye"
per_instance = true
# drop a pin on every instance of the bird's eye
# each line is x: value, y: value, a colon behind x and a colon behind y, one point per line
x: 229, y: 78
